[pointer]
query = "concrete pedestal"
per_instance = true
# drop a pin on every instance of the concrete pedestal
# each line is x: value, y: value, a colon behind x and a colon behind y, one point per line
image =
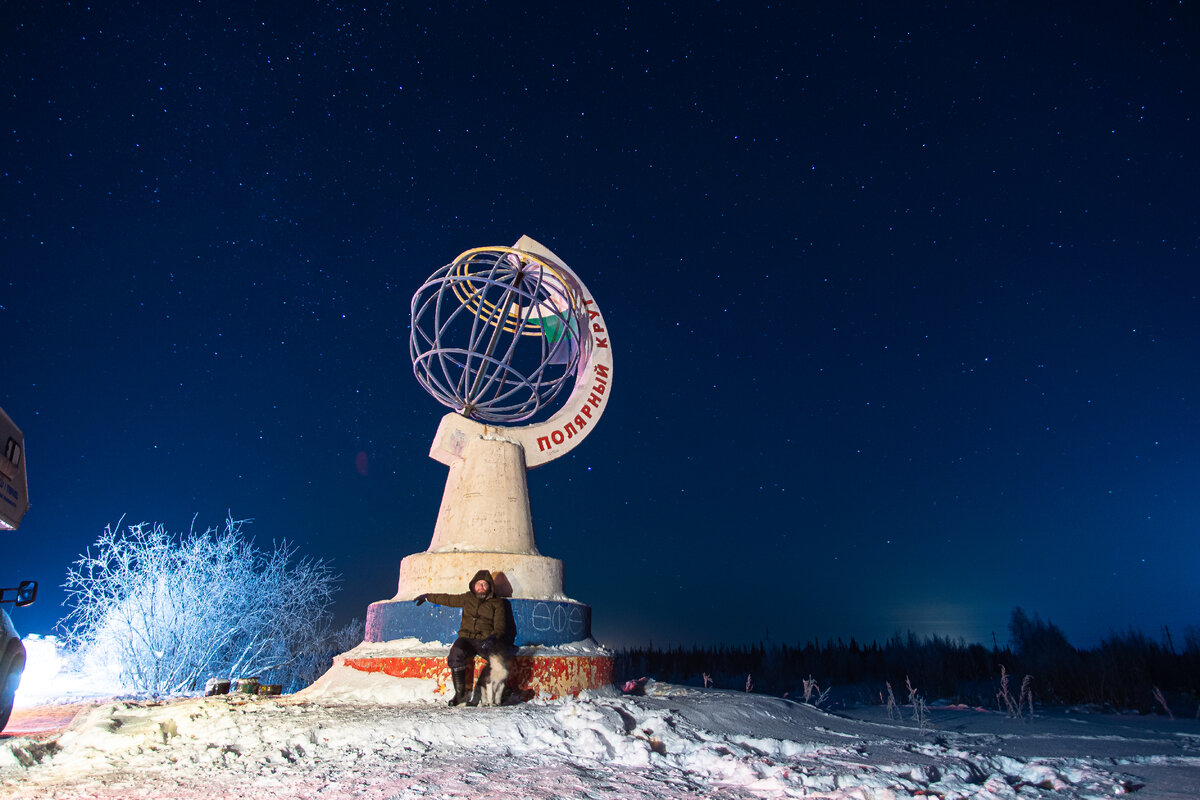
x: 529, y: 676
x: 515, y: 574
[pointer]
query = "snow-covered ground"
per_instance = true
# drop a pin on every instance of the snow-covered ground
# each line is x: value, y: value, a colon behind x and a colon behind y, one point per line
x: 674, y: 742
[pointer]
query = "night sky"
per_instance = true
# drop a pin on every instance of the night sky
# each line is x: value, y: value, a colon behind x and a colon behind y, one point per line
x: 903, y: 298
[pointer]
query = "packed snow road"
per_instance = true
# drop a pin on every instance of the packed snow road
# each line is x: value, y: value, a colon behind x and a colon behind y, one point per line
x: 672, y: 743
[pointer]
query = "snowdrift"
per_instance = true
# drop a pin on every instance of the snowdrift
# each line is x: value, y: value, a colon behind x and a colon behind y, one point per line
x: 671, y: 743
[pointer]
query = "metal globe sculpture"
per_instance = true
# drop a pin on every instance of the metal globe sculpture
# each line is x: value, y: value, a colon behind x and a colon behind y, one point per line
x: 496, y: 334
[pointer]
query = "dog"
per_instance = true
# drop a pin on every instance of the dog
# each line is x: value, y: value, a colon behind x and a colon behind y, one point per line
x: 491, y: 680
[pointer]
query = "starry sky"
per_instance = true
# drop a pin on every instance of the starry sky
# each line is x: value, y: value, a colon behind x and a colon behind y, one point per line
x: 903, y: 297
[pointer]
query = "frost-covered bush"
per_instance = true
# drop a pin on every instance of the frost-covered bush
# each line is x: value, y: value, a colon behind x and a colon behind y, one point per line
x: 163, y: 612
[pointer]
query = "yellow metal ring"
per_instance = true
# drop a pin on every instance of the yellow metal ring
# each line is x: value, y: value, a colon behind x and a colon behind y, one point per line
x: 488, y: 311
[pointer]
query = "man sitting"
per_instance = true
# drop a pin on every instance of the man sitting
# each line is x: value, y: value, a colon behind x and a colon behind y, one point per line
x: 484, y: 625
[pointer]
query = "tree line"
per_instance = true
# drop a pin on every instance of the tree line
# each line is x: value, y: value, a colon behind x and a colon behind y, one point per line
x: 1121, y: 673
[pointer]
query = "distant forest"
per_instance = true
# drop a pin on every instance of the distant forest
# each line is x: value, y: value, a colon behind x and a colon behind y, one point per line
x: 1121, y: 674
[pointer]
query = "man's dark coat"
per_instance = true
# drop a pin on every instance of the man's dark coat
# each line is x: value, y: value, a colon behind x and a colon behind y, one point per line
x: 480, y: 618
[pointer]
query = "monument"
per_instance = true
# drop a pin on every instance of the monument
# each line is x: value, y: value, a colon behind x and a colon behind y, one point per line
x: 500, y: 336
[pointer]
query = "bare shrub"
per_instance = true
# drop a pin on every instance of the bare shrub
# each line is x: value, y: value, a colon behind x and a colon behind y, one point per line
x: 313, y: 663
x: 813, y: 693
x: 920, y: 709
x: 166, y: 611
x: 1015, y: 706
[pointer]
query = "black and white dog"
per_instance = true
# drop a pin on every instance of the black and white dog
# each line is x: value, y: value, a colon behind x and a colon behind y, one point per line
x: 492, y: 678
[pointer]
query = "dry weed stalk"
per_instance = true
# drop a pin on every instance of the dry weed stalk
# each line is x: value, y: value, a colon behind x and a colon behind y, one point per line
x: 920, y: 710
x: 1014, y: 707
x: 1004, y: 696
x: 893, y: 708
x: 1026, y: 697
x: 1162, y: 701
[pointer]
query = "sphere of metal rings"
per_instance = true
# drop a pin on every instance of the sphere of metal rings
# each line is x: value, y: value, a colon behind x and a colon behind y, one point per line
x: 496, y: 334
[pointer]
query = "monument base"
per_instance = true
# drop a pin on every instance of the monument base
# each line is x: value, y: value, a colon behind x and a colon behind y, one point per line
x: 536, y: 622
x: 420, y: 669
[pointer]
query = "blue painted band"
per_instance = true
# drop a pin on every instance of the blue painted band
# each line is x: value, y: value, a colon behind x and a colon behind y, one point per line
x: 544, y: 622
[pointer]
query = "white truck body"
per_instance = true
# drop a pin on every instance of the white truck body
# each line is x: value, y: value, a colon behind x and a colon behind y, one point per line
x: 14, y: 502
x: 14, y: 490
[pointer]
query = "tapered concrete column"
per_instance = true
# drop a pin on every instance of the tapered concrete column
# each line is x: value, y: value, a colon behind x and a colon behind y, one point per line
x: 484, y: 521
x: 485, y: 507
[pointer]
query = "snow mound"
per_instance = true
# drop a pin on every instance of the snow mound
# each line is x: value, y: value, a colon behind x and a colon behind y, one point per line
x: 342, y: 684
x: 671, y: 743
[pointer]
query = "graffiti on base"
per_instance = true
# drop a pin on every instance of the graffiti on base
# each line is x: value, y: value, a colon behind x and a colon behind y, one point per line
x: 552, y: 676
x: 558, y: 619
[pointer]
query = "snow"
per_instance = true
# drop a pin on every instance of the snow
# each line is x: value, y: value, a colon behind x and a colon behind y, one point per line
x: 413, y: 647
x: 356, y: 737
x: 48, y: 681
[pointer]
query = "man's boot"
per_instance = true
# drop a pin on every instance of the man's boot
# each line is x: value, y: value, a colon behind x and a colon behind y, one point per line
x: 459, y: 676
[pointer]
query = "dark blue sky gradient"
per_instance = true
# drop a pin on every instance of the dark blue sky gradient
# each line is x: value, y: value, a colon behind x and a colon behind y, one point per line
x: 903, y: 298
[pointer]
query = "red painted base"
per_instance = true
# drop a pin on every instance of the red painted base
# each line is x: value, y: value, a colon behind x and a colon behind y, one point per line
x: 528, y: 676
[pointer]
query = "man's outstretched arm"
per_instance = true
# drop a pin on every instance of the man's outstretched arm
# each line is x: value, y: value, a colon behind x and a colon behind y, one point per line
x: 437, y: 598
